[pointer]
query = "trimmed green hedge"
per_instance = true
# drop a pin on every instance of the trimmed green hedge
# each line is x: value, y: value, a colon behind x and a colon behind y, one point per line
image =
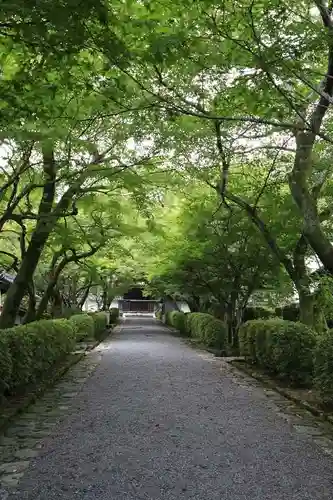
x: 166, y: 318
x: 114, y: 315
x: 210, y: 331
x: 285, y: 348
x: 27, y: 352
x: 177, y: 320
x: 100, y: 324
x: 323, y: 366
x: 84, y: 326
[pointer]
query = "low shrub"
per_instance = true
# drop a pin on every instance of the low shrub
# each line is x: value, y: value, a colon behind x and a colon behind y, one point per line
x: 100, y: 324
x: 247, y: 341
x: 197, y: 323
x: 323, y: 366
x: 210, y: 331
x: 114, y: 315
x: 188, y: 320
x: 167, y: 318
x: 285, y: 348
x: 177, y: 320
x: 84, y: 326
x: 158, y: 315
x: 33, y: 349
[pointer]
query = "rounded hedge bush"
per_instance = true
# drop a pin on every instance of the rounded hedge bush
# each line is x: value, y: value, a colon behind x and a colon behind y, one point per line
x: 210, y: 331
x: 167, y: 318
x: 188, y: 320
x: 247, y: 341
x: 22, y: 346
x: 285, y: 348
x: 177, y: 320
x: 100, y: 324
x: 84, y: 326
x: 197, y: 323
x: 215, y: 334
x: 323, y: 366
x: 114, y: 315
x: 30, y: 350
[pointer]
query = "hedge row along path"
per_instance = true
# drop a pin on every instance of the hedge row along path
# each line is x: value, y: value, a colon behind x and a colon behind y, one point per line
x: 147, y: 417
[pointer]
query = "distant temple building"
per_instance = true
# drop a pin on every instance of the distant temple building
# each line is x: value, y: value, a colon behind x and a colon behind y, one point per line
x: 135, y: 302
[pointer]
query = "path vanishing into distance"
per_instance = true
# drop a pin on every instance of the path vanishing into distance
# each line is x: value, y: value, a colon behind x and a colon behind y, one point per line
x: 145, y: 416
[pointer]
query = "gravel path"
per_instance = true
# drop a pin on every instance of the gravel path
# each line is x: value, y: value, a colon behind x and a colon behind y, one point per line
x: 158, y: 420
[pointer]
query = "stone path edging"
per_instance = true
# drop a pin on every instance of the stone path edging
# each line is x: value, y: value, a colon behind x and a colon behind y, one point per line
x: 283, y: 392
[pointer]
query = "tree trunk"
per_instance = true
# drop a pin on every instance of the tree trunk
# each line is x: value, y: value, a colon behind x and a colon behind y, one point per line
x: 42, y: 307
x: 46, y: 222
x: 295, y: 268
x: 104, y: 298
x: 84, y: 297
x: 54, y: 276
x: 229, y: 315
x: 31, y: 312
x: 306, y: 306
x: 39, y: 237
x: 57, y: 306
x: 302, y: 283
x: 304, y: 195
x: 307, y: 205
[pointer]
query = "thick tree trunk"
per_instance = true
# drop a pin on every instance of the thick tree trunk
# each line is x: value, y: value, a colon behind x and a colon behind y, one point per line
x: 303, y: 193
x: 39, y: 237
x: 306, y: 306
x: 19, y: 286
x: 310, y: 312
x: 231, y: 314
x: 47, y: 219
x: 57, y: 305
x: 307, y: 202
x: 42, y: 307
x: 31, y: 312
x: 302, y: 283
x: 295, y: 268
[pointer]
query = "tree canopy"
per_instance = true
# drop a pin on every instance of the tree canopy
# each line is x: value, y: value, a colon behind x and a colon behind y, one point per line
x: 185, y: 145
